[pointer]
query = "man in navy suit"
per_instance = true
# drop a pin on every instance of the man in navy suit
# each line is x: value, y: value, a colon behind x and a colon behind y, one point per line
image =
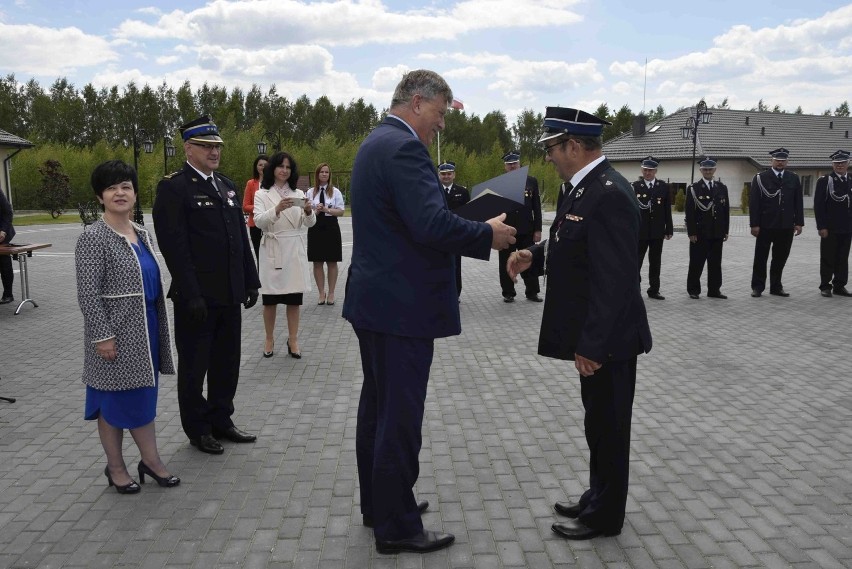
x: 400, y: 296
x: 593, y: 310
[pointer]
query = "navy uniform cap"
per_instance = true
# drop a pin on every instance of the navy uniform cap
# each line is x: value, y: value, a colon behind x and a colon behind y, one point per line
x: 202, y: 129
x: 562, y: 120
x: 447, y: 167
x: 779, y: 153
x: 707, y: 163
x: 650, y: 162
x: 840, y: 156
x: 512, y: 156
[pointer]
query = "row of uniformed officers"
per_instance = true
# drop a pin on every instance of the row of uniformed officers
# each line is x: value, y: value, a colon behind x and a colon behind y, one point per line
x: 776, y: 215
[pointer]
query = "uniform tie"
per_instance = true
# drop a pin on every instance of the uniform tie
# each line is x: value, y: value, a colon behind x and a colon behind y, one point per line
x: 219, y: 191
x: 780, y: 176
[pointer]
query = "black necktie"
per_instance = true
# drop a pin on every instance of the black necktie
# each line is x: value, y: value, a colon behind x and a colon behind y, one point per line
x: 781, y: 176
x: 219, y: 191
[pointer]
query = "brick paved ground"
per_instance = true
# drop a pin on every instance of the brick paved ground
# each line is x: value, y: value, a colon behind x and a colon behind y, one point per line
x: 741, y: 440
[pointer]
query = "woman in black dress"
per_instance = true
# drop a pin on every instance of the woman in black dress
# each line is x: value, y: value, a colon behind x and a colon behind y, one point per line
x: 324, y: 242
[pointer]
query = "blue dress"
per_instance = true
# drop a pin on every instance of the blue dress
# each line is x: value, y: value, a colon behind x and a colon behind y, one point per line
x: 134, y: 408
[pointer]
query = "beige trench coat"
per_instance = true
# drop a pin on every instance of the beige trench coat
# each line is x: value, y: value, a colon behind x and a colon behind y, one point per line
x: 284, y: 267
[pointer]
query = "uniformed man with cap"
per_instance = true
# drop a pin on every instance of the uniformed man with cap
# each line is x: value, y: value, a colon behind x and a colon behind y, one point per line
x: 456, y: 196
x: 527, y: 221
x: 593, y: 310
x: 776, y: 214
x: 708, y: 219
x: 833, y: 212
x: 655, y: 205
x: 202, y: 235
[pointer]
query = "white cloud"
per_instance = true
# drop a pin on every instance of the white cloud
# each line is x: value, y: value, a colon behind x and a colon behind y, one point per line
x: 34, y: 50
x: 764, y: 62
x: 343, y: 22
x: 167, y: 59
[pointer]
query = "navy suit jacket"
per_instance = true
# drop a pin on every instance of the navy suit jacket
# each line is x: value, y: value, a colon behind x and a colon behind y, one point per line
x: 402, y: 278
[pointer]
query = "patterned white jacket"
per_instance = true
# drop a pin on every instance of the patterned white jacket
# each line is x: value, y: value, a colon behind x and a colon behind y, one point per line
x: 112, y: 299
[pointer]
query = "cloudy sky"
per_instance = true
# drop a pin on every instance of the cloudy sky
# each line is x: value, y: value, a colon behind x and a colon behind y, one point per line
x: 496, y: 54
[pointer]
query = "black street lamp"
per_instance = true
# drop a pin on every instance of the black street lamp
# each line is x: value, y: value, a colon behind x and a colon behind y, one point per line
x: 276, y: 146
x: 690, y: 129
x: 168, y: 152
x: 148, y: 146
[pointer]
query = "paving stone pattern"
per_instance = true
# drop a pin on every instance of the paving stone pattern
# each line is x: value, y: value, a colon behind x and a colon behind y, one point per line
x: 741, y: 437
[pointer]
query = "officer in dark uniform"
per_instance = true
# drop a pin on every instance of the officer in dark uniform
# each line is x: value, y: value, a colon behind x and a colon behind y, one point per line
x: 833, y: 212
x: 655, y: 204
x: 456, y: 196
x: 527, y: 222
x: 776, y: 213
x: 202, y: 235
x: 593, y: 310
x: 708, y: 219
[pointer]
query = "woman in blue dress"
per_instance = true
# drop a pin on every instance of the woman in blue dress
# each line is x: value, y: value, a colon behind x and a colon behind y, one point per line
x: 126, y: 334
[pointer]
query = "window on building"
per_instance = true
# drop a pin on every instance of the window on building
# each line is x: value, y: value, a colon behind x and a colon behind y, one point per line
x: 806, y: 185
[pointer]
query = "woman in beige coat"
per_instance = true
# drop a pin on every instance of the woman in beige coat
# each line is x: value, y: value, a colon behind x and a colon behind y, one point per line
x: 283, y: 214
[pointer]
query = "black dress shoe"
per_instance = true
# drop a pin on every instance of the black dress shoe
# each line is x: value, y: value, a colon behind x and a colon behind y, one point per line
x: 568, y: 509
x: 779, y: 292
x: 367, y: 520
x: 841, y: 291
x: 234, y: 435
x: 826, y: 293
x: 508, y: 299
x: 695, y: 296
x: 164, y: 481
x: 575, y: 529
x: 535, y: 298
x: 7, y: 299
x: 716, y: 295
x: 755, y: 293
x: 206, y: 443
x: 656, y: 296
x: 423, y: 543
x: 131, y: 488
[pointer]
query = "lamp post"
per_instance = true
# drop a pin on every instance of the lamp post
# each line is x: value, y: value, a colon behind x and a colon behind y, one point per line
x: 690, y: 129
x: 276, y: 146
x: 148, y: 145
x: 168, y: 152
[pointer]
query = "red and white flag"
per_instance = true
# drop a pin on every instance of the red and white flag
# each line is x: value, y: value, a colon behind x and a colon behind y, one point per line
x: 456, y: 104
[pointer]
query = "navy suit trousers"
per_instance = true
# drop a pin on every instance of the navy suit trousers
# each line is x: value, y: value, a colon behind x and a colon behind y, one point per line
x: 705, y: 251
x: 780, y: 241
x: 834, y: 260
x: 388, y: 436
x: 608, y: 401
x: 654, y: 248
x: 212, y: 349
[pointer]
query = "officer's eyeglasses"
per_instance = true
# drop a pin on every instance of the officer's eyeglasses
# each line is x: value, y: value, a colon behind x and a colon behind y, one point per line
x: 207, y: 147
x: 548, y: 150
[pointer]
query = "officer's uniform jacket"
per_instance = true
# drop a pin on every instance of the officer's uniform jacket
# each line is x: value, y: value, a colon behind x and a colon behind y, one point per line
x: 593, y: 306
x: 457, y: 196
x: 774, y: 204
x: 708, y: 211
x: 655, y: 206
x: 527, y: 219
x: 833, y: 203
x: 203, y: 239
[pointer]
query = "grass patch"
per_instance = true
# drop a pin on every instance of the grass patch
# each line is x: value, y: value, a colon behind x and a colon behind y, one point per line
x: 45, y: 219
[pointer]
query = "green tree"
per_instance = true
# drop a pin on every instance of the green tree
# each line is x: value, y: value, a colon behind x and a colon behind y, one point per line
x: 55, y: 188
x: 842, y: 110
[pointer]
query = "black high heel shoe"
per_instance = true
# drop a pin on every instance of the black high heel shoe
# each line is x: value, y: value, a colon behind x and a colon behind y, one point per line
x: 164, y: 482
x: 297, y: 355
x: 132, y: 488
x: 271, y: 352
